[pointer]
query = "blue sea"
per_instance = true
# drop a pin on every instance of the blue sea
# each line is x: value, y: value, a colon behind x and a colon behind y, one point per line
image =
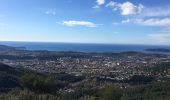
x: 81, y: 47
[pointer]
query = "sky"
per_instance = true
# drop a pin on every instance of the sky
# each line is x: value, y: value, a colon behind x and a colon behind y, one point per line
x: 86, y: 21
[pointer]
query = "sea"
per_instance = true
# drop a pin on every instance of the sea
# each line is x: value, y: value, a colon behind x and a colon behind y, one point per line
x: 83, y: 47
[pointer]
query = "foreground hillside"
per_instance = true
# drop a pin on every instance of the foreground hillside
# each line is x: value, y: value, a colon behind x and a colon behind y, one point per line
x: 9, y: 77
x: 16, y: 84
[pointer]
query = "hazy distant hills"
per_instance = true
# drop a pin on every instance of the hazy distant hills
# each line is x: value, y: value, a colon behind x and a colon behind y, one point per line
x: 3, y: 47
x: 9, y: 48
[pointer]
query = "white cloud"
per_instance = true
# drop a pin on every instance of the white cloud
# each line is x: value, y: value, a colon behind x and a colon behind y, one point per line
x: 139, y: 10
x: 153, y: 22
x: 161, y: 37
x: 126, y: 8
x: 100, y: 2
x: 155, y: 12
x: 129, y: 8
x: 79, y: 23
x: 50, y: 12
x: 126, y: 21
x: 96, y: 7
x: 113, y: 5
x: 166, y: 30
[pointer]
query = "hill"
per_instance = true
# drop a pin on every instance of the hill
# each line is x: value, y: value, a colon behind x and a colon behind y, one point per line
x: 9, y: 77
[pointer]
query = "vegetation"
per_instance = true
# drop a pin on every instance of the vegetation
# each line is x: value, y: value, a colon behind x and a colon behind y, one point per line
x: 160, y: 68
x: 17, y: 84
x: 110, y: 93
x: 39, y: 83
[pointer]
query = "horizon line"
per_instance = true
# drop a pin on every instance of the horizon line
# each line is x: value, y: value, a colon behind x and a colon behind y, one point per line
x: 86, y: 43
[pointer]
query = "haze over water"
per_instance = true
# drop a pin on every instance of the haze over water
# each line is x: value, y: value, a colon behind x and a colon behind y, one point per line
x: 81, y: 47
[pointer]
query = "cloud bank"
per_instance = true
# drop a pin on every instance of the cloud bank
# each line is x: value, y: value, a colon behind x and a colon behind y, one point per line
x: 153, y: 22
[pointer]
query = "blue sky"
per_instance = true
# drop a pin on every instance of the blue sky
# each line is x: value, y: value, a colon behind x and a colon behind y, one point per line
x: 86, y: 21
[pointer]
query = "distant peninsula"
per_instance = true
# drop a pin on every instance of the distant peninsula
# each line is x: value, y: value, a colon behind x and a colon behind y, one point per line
x: 158, y: 50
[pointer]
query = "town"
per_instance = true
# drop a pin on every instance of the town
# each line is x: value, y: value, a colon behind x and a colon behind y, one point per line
x: 111, y: 66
